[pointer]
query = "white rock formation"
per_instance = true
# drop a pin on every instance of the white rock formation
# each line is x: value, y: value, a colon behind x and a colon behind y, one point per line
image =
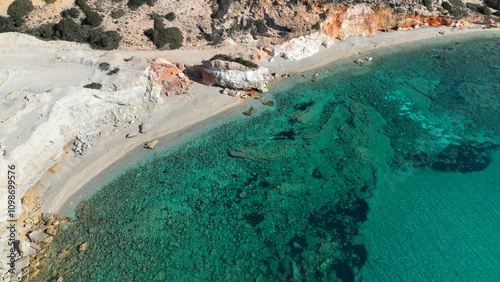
x: 234, y: 75
x: 44, y: 107
x: 302, y: 47
x: 241, y: 79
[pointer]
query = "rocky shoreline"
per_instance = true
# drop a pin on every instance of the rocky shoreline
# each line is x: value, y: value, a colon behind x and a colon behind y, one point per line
x: 136, y: 94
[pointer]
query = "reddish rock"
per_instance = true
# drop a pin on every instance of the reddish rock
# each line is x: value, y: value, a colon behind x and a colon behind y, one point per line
x: 170, y: 77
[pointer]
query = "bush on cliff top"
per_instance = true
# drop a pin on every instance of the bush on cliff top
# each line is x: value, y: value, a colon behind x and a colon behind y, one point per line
x: 92, y: 18
x: 19, y: 9
x: 7, y: 24
x: 117, y: 14
x: 93, y: 85
x: 495, y: 4
x: 73, y: 12
x: 160, y: 35
x: 135, y: 4
x: 238, y: 60
x: 67, y: 29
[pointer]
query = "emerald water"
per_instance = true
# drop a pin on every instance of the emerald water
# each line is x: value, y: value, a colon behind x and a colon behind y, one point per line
x: 386, y: 171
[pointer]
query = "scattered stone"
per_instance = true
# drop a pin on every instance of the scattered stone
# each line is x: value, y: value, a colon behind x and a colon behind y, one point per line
x: 268, y: 103
x: 51, y: 231
x: 145, y: 127
x: 58, y: 278
x: 285, y: 75
x: 131, y: 135
x: 83, y: 247
x: 151, y: 144
x: 63, y: 253
x: 368, y: 58
x: 27, y: 249
x: 359, y: 61
x: 37, y: 236
x: 22, y: 263
x: 249, y: 112
x: 104, y: 66
x: 48, y: 240
x: 92, y: 230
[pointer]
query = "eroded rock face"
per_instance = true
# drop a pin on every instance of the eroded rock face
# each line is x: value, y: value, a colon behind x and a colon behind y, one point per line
x: 355, y: 20
x: 232, y: 75
x: 170, y: 77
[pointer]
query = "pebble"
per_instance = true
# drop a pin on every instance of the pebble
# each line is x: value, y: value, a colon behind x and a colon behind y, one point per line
x: 83, y: 247
x: 249, y: 112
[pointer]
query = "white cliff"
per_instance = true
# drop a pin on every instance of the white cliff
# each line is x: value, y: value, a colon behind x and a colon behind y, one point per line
x: 44, y: 108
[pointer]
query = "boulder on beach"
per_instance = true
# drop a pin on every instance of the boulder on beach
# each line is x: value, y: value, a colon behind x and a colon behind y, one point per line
x: 169, y: 76
x: 144, y: 127
x: 151, y: 144
x: 37, y: 236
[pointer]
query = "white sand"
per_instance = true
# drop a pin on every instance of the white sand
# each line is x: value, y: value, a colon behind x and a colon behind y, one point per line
x: 183, y: 111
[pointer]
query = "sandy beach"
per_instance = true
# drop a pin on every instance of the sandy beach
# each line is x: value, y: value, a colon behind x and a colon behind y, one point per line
x: 180, y: 112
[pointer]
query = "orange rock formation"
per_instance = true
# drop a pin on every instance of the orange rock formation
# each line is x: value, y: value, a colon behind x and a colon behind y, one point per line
x: 170, y: 77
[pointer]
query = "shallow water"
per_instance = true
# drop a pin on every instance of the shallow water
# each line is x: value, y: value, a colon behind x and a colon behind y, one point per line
x: 281, y: 194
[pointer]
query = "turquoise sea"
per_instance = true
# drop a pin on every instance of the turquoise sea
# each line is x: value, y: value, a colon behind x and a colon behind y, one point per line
x: 386, y: 171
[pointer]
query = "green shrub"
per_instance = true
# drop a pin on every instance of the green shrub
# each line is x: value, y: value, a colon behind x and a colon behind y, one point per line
x: 238, y: 60
x: 73, y: 12
x: 222, y: 9
x: 473, y: 6
x: 104, y: 40
x: 170, y: 16
x: 428, y: 4
x: 81, y: 3
x: 93, y: 85
x: 6, y: 24
x: 135, y: 4
x: 158, y: 22
x: 44, y: 31
x: 316, y: 26
x: 485, y: 10
x: 160, y: 35
x: 260, y: 27
x: 114, y: 71
x: 459, y: 12
x: 323, y: 16
x: 174, y: 37
x: 495, y: 4
x: 446, y: 6
x: 497, y: 13
x: 50, y: 1
x: 456, y: 3
x: 92, y: 18
x: 117, y: 14
x: 19, y: 9
x: 67, y: 29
